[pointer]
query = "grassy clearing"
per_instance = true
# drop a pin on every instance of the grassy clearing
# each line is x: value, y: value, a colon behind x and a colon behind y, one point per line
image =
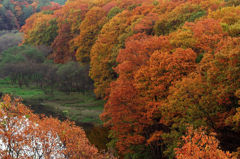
x: 80, y: 107
x: 6, y: 87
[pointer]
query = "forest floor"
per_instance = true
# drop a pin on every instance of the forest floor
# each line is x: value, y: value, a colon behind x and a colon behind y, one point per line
x: 83, y: 108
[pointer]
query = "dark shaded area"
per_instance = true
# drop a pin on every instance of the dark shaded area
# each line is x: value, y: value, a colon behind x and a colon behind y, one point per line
x: 42, y: 109
x: 229, y: 139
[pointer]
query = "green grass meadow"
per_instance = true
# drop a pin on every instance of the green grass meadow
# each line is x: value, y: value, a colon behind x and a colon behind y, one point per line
x: 80, y: 107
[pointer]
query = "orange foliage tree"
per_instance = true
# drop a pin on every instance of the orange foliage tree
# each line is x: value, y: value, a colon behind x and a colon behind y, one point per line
x: 110, y: 40
x: 69, y: 19
x: 40, y: 29
x: 208, y: 97
x: 230, y: 21
x: 202, y: 36
x: 146, y: 70
x: 89, y: 29
x: 197, y: 144
x: 26, y: 135
x: 123, y: 101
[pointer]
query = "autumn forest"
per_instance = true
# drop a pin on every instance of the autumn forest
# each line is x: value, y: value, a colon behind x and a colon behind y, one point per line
x: 154, y: 79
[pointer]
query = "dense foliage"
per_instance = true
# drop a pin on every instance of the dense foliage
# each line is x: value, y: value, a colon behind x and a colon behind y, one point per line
x: 167, y: 69
x: 13, y: 13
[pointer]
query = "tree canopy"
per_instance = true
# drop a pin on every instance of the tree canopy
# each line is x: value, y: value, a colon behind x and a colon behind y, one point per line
x: 166, y: 69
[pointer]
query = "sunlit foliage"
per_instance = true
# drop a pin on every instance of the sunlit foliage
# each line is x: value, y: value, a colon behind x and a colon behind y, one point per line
x: 162, y: 67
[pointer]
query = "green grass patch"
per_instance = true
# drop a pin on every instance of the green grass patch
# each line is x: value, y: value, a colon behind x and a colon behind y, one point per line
x: 13, y: 89
x: 80, y: 107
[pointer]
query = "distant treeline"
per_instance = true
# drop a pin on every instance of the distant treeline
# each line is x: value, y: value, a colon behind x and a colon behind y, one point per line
x: 28, y: 66
x: 13, y: 13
